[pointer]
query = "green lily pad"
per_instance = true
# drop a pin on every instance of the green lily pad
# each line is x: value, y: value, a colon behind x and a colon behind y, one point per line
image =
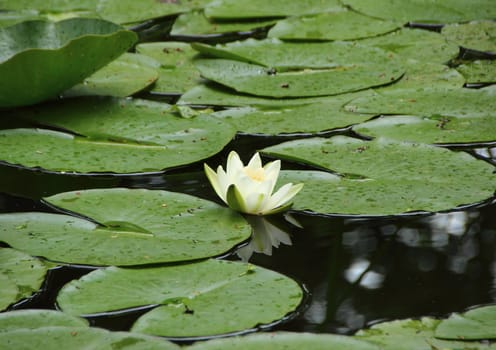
x: 233, y: 9
x: 217, y: 297
x: 420, y: 74
x: 135, y: 227
x: 120, y: 135
x: 434, y: 129
x: 49, y: 5
x: 195, y: 23
x: 383, y: 177
x: 39, y: 59
x: 215, y: 95
x: 127, y: 75
x: 177, y: 73
x: 290, y: 70
x: 478, y: 35
x: 8, y: 18
x: 483, y: 71
x: 413, y: 335
x: 286, y: 341
x: 32, y: 319
x: 308, y: 118
x: 476, y: 324
x: 289, y: 56
x: 429, y: 102
x: 339, y: 25
x: 130, y: 11
x: 446, y: 11
x: 421, y: 45
x: 21, y: 275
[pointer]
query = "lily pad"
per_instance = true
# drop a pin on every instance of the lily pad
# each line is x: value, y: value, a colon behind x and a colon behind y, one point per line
x: 289, y: 56
x: 446, y: 11
x: 483, y: 71
x: 418, y: 44
x: 291, y: 70
x: 195, y: 23
x: 428, y: 102
x: 120, y: 135
x: 308, y: 118
x: 32, y: 319
x: 383, y: 177
x: 413, y: 335
x: 40, y: 59
x: 478, y: 35
x: 217, y: 297
x: 216, y: 95
x: 339, y: 25
x: 21, y: 275
x: 127, y: 75
x: 420, y: 74
x: 433, y: 129
x: 49, y: 5
x: 177, y: 73
x: 130, y: 11
x: 476, y: 324
x: 233, y: 9
x: 127, y: 227
x: 286, y: 341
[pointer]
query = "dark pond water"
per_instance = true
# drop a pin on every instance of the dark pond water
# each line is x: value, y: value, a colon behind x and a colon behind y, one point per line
x: 357, y: 270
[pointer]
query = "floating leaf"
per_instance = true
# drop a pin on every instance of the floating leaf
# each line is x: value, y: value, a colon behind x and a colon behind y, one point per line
x: 420, y: 74
x: 39, y: 59
x: 32, y: 319
x: 308, y: 118
x: 130, y: 11
x: 291, y: 70
x: 233, y: 9
x: 445, y: 11
x: 383, y: 177
x: 412, y: 335
x: 286, y: 341
x: 421, y: 45
x: 339, y: 25
x: 122, y: 77
x: 195, y: 23
x: 289, y: 56
x: 479, y: 35
x: 136, y: 227
x: 49, y: 5
x: 21, y: 275
x: 476, y: 324
x: 483, y: 71
x: 217, y: 297
x: 177, y: 72
x: 429, y: 102
x: 215, y: 95
x: 121, y: 136
x: 434, y: 129
x: 80, y: 338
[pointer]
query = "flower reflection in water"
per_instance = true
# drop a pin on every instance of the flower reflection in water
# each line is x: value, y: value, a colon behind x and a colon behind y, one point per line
x: 265, y: 236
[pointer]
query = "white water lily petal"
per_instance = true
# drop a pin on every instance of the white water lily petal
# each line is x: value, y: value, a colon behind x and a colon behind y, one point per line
x: 249, y: 188
x: 284, y: 195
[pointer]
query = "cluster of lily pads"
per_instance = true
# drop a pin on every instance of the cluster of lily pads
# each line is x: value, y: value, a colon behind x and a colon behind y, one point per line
x: 373, y: 100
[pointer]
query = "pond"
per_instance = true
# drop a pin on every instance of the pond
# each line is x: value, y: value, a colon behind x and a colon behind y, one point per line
x: 385, y: 114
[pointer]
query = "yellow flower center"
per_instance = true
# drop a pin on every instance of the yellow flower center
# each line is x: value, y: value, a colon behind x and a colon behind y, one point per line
x: 255, y: 174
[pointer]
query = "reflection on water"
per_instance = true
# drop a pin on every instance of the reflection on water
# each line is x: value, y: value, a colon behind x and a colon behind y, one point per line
x: 358, y: 270
x: 264, y: 236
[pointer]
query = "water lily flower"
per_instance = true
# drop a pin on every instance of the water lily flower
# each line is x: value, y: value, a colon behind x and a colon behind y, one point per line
x: 249, y: 188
